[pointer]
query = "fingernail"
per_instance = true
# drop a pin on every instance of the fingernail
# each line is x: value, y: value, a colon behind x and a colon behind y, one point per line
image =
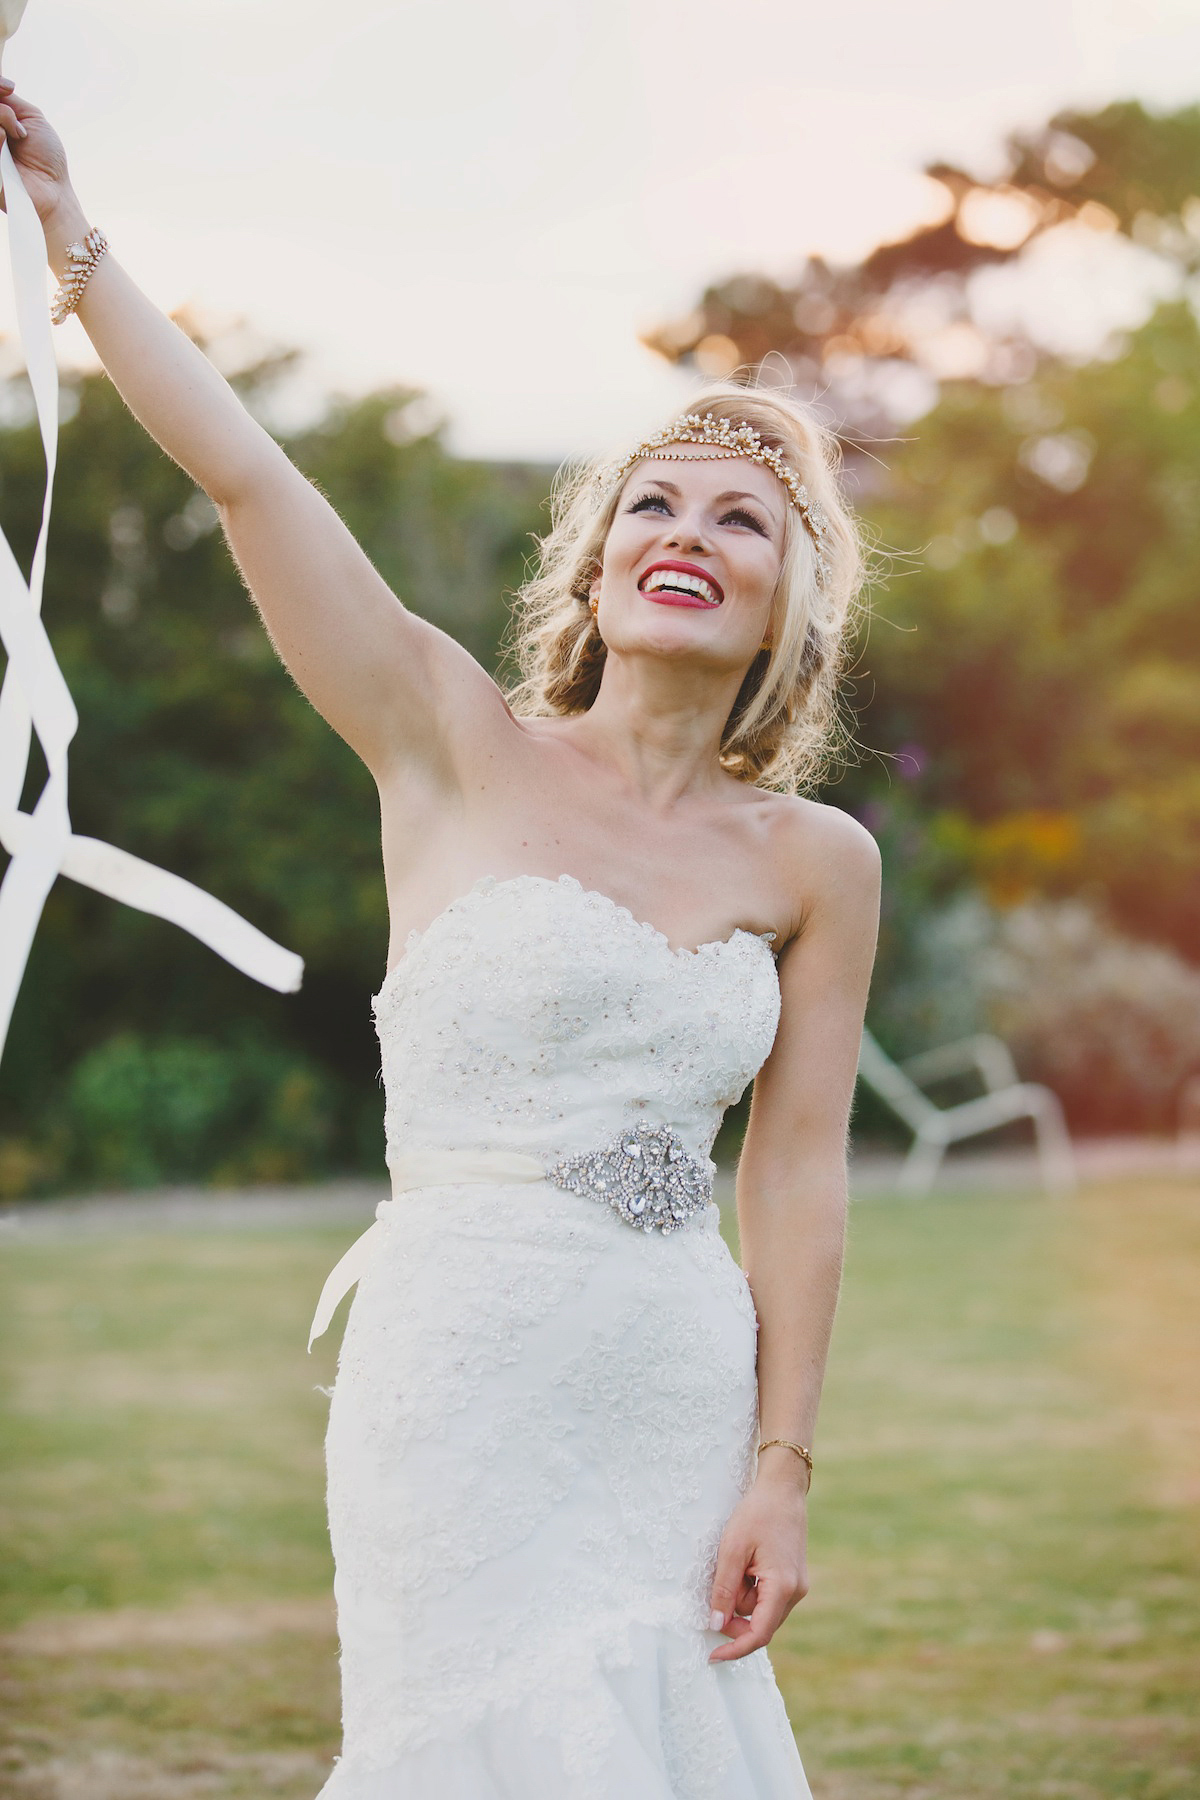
x: 716, y: 1621
x: 21, y: 131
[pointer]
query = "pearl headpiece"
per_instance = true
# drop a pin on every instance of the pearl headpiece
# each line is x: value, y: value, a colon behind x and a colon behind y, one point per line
x: 730, y: 439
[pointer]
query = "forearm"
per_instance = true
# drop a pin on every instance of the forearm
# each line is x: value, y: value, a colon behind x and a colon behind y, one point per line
x: 793, y: 1242
x: 165, y: 380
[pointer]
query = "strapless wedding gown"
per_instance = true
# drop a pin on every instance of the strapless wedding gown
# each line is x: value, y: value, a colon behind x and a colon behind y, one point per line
x: 543, y: 1416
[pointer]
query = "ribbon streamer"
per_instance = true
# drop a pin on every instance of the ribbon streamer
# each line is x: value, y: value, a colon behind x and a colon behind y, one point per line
x: 35, y: 697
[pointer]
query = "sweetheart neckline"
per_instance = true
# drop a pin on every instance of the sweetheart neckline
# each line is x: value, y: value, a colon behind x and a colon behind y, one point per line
x: 496, y: 884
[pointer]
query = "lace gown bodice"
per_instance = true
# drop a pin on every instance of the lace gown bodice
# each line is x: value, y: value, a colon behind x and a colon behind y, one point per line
x: 536, y: 1015
x: 543, y: 1418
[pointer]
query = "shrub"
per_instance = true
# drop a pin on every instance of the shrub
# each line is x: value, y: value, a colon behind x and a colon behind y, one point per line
x: 141, y: 1111
x: 1112, y: 1025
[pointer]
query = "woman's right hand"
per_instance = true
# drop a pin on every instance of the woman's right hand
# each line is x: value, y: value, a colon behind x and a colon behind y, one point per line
x: 38, y: 152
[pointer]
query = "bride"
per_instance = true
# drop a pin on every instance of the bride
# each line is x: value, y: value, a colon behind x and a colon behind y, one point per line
x: 569, y: 1443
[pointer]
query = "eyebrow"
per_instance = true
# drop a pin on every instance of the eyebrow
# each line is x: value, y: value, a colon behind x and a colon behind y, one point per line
x: 729, y: 494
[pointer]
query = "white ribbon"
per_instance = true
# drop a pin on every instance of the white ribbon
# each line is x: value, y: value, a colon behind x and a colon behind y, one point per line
x: 417, y: 1169
x: 35, y: 697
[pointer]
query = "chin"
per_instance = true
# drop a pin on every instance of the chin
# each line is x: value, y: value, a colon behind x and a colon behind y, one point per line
x: 671, y: 639
x: 678, y: 644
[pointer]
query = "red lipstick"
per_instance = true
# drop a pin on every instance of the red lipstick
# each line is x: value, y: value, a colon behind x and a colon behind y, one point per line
x: 681, y: 596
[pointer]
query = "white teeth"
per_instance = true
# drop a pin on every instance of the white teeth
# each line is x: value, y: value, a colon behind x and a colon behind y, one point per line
x: 675, y: 578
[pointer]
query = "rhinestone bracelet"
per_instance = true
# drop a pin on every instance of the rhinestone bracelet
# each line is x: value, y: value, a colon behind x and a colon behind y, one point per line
x: 82, y: 257
x: 786, y: 1444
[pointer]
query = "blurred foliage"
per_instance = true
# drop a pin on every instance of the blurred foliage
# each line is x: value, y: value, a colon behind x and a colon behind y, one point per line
x: 143, y: 1112
x: 1027, y: 692
x: 1112, y: 1025
x: 1036, y: 677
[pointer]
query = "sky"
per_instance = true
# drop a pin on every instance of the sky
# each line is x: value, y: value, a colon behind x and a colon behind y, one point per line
x: 490, y: 202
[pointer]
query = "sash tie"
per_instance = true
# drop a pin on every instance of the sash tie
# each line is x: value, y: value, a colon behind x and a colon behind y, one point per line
x: 417, y: 1169
x: 645, y: 1174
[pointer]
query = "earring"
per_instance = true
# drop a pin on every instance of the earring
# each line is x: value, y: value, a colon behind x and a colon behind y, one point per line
x: 594, y: 603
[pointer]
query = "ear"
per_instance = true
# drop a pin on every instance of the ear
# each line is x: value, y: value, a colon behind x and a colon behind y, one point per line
x: 594, y: 585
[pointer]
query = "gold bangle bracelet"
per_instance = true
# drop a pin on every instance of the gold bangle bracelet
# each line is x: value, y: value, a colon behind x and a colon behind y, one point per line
x: 787, y: 1444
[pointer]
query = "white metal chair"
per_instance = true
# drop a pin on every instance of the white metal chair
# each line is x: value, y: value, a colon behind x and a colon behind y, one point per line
x: 1005, y: 1098
x: 1188, y: 1141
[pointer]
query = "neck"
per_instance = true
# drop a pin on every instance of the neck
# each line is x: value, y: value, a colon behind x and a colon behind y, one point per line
x: 658, y: 726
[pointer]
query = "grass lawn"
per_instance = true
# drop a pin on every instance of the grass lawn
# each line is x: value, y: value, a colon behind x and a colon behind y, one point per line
x: 1005, y: 1524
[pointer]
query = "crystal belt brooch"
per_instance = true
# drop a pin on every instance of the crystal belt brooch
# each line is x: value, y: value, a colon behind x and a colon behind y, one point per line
x: 644, y: 1174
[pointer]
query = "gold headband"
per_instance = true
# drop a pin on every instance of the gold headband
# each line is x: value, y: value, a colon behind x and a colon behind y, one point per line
x: 729, y: 439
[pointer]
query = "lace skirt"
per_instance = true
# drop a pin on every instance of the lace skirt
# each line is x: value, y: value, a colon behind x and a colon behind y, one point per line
x: 541, y: 1421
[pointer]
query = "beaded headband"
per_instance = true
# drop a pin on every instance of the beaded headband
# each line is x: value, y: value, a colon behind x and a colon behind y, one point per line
x: 728, y: 440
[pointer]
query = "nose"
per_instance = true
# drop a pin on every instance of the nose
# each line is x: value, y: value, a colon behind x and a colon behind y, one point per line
x: 686, y: 532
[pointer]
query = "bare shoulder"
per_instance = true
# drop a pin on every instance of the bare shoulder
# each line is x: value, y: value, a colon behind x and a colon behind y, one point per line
x: 803, y: 1093
x: 812, y: 838
x: 837, y: 833
x: 825, y: 860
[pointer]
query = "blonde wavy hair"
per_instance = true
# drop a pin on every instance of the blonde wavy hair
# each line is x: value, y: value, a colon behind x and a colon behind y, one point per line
x: 785, y: 723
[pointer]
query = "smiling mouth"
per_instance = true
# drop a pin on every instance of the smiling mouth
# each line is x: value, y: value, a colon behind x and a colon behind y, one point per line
x: 674, y: 585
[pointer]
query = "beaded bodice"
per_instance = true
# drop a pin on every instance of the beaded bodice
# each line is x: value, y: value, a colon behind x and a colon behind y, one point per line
x: 538, y: 1016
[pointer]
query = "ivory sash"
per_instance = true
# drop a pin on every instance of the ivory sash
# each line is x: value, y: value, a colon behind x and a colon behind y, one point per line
x: 417, y: 1169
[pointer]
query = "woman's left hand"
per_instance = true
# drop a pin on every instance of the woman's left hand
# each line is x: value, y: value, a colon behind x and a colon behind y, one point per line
x: 762, y: 1567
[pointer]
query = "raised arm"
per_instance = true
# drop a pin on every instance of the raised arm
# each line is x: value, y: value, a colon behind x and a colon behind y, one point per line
x: 390, y: 683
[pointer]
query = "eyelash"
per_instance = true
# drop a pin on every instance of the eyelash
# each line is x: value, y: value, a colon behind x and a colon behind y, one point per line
x: 736, y: 512
x: 739, y: 512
